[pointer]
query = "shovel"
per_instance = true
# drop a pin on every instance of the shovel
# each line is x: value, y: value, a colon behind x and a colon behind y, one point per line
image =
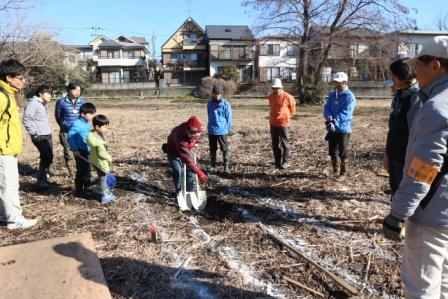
x: 200, y: 200
x: 184, y: 198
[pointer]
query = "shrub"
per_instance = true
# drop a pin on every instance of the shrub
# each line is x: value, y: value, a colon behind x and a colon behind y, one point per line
x: 229, y: 72
x: 207, y: 84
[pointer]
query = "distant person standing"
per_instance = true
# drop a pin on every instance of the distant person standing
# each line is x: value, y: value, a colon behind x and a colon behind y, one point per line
x: 37, y: 123
x: 66, y: 112
x: 219, y: 126
x: 282, y: 107
x: 404, y: 107
x: 11, y: 145
x: 338, y: 114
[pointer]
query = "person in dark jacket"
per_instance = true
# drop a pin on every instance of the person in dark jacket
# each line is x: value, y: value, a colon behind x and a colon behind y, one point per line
x: 37, y: 124
x: 66, y: 112
x: 181, y: 141
x: 404, y: 107
x: 219, y: 126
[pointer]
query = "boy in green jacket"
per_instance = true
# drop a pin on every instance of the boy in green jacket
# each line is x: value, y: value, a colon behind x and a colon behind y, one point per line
x: 99, y: 157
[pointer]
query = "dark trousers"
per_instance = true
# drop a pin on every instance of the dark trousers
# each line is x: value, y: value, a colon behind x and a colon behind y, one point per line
x: 395, y: 174
x: 177, y: 168
x: 280, y: 144
x: 68, y: 154
x: 83, y: 169
x: 215, y: 140
x: 338, y: 144
x: 44, y: 144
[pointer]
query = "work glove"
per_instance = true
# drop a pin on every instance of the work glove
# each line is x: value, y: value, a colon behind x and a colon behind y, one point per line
x: 202, y: 176
x: 330, y: 127
x: 392, y: 228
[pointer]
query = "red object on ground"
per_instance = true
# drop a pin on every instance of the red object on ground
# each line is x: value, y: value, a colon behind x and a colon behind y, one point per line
x: 154, y: 234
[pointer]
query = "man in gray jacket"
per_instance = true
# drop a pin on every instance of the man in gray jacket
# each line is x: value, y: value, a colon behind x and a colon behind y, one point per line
x: 37, y: 124
x: 422, y: 197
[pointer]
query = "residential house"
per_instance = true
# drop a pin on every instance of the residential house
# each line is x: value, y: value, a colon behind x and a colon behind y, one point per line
x: 119, y: 60
x: 411, y: 42
x: 276, y: 58
x: 362, y: 54
x: 184, y: 55
x: 231, y: 45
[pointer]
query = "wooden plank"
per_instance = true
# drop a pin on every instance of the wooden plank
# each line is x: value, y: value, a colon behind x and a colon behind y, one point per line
x: 57, y: 268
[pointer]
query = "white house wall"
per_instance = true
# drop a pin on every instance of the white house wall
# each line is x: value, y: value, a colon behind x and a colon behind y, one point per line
x: 282, y: 60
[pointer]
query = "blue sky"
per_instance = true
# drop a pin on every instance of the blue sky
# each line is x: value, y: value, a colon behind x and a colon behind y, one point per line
x: 142, y: 18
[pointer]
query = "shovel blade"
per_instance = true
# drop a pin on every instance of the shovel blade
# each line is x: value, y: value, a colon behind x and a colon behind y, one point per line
x: 183, y: 202
x: 200, y: 201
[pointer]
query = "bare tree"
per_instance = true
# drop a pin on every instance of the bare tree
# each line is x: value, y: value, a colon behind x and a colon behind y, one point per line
x: 34, y: 46
x: 317, y: 24
x: 441, y: 22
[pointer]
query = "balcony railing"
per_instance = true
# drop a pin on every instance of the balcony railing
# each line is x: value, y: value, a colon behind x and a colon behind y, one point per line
x: 232, y: 54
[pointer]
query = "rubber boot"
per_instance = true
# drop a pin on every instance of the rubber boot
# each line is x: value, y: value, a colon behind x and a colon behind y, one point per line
x: 344, y: 167
x: 335, y: 164
x: 226, y: 160
x: 212, y: 162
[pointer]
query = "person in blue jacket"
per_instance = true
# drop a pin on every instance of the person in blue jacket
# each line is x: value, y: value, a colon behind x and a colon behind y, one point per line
x: 66, y: 112
x: 77, y: 140
x: 219, y: 126
x: 338, y: 114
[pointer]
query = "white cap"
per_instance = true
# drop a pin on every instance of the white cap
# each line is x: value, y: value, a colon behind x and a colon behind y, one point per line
x: 340, y: 77
x: 437, y: 47
x: 277, y: 83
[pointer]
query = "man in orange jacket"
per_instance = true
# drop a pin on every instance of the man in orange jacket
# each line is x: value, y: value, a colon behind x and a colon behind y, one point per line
x: 283, y: 106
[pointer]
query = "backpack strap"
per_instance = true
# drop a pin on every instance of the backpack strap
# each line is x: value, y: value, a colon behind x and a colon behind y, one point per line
x: 436, y: 183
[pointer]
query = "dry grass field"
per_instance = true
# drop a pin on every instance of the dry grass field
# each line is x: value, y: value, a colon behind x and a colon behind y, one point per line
x: 223, y: 252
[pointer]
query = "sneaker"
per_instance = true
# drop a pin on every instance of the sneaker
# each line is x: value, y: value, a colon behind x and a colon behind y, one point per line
x: 284, y: 165
x: 108, y: 198
x: 21, y: 223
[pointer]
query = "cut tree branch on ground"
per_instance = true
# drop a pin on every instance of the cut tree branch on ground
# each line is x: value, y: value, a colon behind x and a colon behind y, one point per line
x: 342, y: 283
x: 298, y: 284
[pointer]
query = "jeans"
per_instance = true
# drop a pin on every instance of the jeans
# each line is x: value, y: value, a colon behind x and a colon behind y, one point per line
x: 10, y: 210
x: 177, y: 167
x: 395, y: 174
x: 103, y: 189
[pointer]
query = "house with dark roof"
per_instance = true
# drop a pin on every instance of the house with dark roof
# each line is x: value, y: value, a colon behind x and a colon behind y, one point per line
x: 231, y: 45
x: 119, y: 60
x: 184, y: 55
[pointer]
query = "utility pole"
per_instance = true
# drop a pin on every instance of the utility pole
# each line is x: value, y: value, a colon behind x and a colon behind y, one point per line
x: 153, y: 44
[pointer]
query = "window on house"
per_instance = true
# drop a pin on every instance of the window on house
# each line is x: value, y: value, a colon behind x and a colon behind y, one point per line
x: 414, y: 49
x: 113, y: 53
x: 273, y: 49
x: 272, y: 73
x: 129, y: 54
x: 363, y: 49
x: 291, y: 50
x: 175, y: 57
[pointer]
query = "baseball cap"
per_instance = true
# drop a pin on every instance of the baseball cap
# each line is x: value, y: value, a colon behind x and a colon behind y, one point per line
x: 340, y: 77
x: 436, y: 47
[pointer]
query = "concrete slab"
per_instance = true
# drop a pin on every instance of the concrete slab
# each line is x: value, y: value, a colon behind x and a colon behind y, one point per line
x: 58, y: 268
